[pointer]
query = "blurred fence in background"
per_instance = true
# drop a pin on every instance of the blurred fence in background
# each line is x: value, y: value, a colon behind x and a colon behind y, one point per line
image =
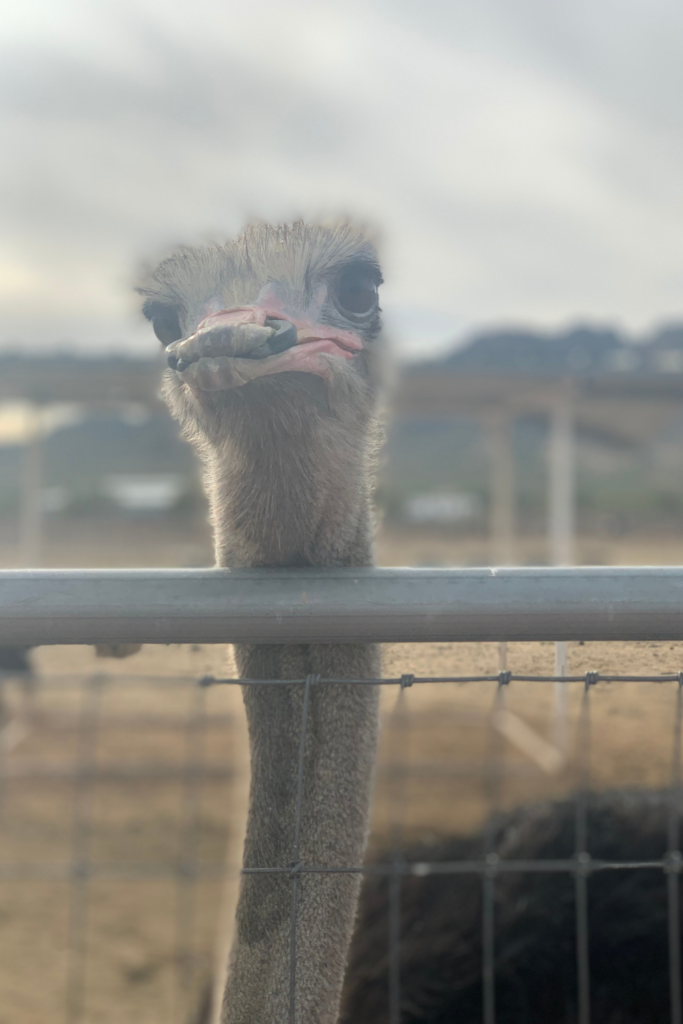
x: 529, y: 444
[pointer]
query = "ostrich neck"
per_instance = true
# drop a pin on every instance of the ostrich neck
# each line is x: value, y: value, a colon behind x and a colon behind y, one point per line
x: 292, y: 498
x: 299, y: 501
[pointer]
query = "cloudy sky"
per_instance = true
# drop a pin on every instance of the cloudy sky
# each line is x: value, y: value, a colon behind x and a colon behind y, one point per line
x: 523, y: 158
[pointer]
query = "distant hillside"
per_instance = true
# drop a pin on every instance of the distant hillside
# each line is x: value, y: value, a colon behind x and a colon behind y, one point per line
x: 578, y: 350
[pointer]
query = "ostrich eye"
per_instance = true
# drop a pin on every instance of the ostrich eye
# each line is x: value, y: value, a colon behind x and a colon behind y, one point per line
x: 355, y: 291
x: 166, y: 324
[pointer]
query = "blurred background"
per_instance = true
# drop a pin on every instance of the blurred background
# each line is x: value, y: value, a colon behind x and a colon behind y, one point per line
x: 524, y: 164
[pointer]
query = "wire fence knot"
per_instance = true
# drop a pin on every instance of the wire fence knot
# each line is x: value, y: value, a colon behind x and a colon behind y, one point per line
x: 584, y: 864
x: 673, y: 862
x: 407, y: 680
x: 491, y: 869
x: 591, y: 678
x: 504, y: 678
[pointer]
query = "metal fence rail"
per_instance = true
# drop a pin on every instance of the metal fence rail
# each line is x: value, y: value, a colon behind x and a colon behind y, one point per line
x: 339, y: 605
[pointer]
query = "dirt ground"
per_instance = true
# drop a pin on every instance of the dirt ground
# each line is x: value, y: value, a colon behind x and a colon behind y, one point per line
x: 147, y: 935
x: 74, y: 543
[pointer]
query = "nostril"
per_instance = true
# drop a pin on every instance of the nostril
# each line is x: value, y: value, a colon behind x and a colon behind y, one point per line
x: 172, y: 361
x: 285, y: 334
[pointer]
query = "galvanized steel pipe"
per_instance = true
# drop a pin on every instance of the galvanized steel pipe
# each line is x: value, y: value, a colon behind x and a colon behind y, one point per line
x: 339, y: 605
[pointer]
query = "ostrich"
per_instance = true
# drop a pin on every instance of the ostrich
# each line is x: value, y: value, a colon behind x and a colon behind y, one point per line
x: 272, y: 342
x: 440, y: 932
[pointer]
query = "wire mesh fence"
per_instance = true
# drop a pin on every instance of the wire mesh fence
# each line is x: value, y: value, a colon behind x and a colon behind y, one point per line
x: 112, y: 790
x: 77, y: 752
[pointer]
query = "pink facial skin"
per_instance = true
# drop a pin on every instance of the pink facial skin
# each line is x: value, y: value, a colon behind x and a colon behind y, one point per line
x: 210, y: 371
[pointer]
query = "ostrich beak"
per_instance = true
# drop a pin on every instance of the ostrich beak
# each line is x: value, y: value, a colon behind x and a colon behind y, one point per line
x: 233, y: 346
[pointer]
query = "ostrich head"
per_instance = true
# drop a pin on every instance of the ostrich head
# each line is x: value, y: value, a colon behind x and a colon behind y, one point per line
x: 281, y: 314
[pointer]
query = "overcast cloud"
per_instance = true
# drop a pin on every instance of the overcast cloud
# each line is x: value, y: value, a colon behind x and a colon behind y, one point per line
x: 523, y: 158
